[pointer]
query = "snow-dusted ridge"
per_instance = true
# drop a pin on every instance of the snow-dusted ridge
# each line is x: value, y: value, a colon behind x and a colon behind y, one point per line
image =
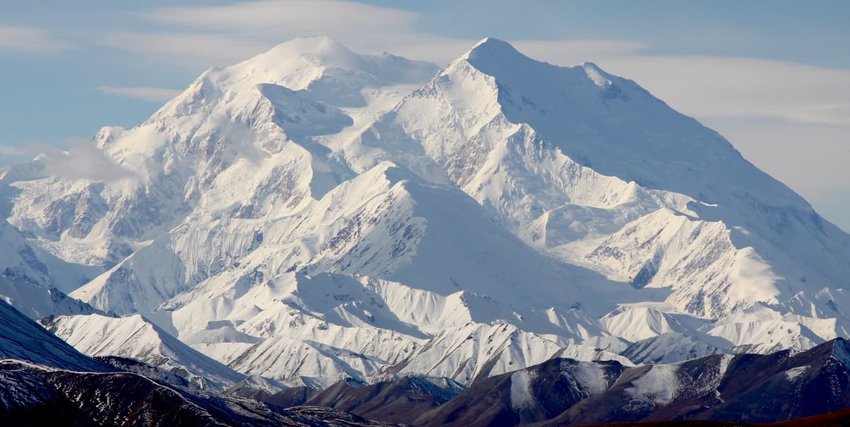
x: 313, y: 213
x: 137, y: 338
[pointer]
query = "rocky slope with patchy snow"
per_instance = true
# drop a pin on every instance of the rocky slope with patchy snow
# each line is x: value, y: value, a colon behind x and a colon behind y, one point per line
x: 742, y: 388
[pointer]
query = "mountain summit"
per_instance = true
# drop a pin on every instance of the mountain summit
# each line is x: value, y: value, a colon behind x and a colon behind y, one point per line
x: 313, y: 214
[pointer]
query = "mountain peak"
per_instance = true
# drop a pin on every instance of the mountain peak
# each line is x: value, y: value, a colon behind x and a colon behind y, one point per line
x: 500, y: 58
x: 492, y: 49
x: 597, y: 75
x: 301, y: 62
x: 492, y: 43
x: 320, y: 48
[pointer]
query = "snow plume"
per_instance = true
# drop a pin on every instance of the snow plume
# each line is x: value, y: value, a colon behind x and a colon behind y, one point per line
x: 521, y: 395
x: 82, y: 160
x: 659, y: 384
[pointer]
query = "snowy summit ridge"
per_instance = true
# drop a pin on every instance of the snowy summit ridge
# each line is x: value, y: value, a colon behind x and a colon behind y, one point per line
x: 313, y: 213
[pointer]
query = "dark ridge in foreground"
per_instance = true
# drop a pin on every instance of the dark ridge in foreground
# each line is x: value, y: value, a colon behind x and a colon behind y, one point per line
x: 748, y: 389
x: 399, y: 401
x: 35, y: 396
x: 832, y: 419
x: 45, y: 382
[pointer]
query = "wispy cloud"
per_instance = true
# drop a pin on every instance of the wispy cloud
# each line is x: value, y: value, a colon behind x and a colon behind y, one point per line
x: 10, y: 155
x: 78, y: 159
x: 152, y: 94
x: 195, y: 51
x: 82, y: 160
x: 203, y: 36
x: 727, y: 87
x: 29, y: 39
x: 8, y: 150
x: 571, y: 52
x: 286, y: 17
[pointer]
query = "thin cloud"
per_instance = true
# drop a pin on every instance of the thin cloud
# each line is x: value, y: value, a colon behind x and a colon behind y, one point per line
x: 572, y: 52
x: 8, y: 150
x: 196, y: 51
x: 82, y: 160
x: 221, y: 35
x: 205, y: 36
x: 726, y: 87
x: 715, y: 86
x: 10, y: 155
x: 29, y: 39
x: 288, y: 17
x: 144, y: 93
x: 236, y: 31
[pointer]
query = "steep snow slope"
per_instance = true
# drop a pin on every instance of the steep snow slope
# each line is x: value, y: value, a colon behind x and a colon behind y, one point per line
x: 30, y: 278
x: 136, y: 338
x: 24, y: 340
x: 21, y: 260
x: 37, y: 301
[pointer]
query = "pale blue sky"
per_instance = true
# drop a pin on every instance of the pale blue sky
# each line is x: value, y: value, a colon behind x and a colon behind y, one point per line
x: 772, y: 76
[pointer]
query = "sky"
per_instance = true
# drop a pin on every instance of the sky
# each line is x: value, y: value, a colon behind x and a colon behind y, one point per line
x: 772, y: 76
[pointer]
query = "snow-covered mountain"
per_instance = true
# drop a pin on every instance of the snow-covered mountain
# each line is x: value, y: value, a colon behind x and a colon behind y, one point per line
x: 312, y: 214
